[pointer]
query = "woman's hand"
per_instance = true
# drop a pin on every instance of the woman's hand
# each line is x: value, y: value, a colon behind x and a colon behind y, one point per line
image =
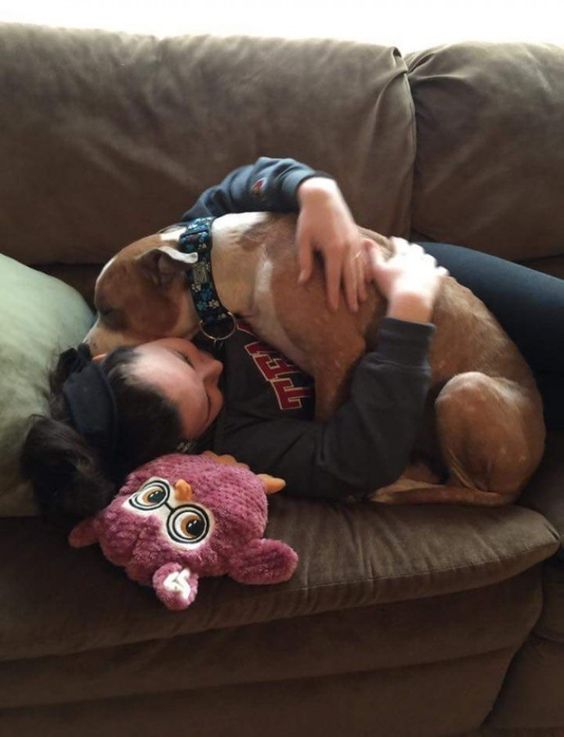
x: 410, y: 279
x: 325, y: 224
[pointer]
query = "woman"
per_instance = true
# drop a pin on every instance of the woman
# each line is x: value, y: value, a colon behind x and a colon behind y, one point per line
x: 149, y: 399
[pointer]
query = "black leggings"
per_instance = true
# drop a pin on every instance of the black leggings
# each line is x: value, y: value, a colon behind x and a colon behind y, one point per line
x: 530, y: 307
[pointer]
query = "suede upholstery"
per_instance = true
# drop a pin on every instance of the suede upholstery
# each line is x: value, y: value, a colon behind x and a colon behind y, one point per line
x: 399, y: 622
x: 489, y: 145
x: 134, y: 140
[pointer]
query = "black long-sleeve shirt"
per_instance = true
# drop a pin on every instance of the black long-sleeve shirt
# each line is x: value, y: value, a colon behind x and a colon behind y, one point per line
x: 267, y: 420
x: 268, y: 185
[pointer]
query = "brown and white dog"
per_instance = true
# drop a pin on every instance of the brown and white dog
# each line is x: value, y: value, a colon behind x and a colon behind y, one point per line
x: 485, y: 420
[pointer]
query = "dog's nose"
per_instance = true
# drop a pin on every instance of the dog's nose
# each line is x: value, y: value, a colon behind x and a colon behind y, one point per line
x: 87, y: 340
x: 83, y: 350
x: 91, y: 346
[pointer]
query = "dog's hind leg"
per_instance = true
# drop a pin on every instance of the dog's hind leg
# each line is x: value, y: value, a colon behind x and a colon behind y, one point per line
x: 491, y: 435
x: 491, y: 432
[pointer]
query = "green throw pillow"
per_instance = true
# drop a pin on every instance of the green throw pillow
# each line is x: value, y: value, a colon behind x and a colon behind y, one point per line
x: 40, y: 316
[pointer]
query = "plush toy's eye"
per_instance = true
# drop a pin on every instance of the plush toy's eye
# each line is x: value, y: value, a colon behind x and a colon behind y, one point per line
x: 189, y: 524
x: 151, y: 495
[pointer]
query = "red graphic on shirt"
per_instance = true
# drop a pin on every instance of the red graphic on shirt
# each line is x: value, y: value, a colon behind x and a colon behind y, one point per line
x: 257, y: 189
x: 282, y: 375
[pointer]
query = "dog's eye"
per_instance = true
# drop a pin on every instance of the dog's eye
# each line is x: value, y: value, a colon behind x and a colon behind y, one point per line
x: 111, y: 318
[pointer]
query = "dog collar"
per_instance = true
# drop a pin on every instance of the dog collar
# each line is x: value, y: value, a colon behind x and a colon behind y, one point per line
x: 216, y: 322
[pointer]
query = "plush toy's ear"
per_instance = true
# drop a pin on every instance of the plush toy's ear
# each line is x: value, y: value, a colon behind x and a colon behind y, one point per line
x: 175, y: 586
x: 226, y: 459
x: 271, y: 484
x: 162, y: 264
x: 83, y: 534
x: 263, y: 561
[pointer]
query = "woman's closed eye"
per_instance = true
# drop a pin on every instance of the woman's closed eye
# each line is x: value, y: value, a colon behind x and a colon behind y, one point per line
x: 184, y: 357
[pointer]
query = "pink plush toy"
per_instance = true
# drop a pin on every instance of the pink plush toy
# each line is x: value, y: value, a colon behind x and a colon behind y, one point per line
x: 181, y: 517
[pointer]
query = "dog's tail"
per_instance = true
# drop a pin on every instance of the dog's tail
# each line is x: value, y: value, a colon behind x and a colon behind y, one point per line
x: 406, y: 491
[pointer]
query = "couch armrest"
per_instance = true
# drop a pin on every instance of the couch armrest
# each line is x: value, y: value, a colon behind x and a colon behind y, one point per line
x: 545, y: 492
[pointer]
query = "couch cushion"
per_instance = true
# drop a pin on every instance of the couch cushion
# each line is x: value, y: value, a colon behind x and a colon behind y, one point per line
x: 350, y: 556
x: 489, y: 147
x: 144, y: 697
x: 39, y: 317
x: 442, y: 658
x: 136, y: 128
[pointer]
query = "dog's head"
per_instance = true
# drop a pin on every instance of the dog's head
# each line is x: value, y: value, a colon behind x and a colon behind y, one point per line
x: 141, y: 295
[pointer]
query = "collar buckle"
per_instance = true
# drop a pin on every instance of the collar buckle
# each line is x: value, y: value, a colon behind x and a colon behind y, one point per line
x: 205, y: 326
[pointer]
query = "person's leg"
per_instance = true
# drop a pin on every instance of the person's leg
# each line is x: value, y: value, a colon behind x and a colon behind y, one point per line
x: 530, y: 307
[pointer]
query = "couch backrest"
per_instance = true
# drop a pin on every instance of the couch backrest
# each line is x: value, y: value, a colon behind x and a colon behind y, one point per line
x: 490, y: 147
x: 108, y: 137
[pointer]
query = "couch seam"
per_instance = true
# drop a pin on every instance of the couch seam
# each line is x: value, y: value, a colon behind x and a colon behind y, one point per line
x: 413, y: 136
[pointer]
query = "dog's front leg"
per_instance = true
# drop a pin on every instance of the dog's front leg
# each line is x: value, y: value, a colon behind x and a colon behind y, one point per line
x: 332, y: 369
x: 330, y: 391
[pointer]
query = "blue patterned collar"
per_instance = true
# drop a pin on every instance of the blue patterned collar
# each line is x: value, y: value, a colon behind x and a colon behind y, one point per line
x: 216, y: 322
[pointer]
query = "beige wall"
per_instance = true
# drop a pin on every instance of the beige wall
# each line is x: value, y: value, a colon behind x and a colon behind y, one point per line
x: 410, y: 24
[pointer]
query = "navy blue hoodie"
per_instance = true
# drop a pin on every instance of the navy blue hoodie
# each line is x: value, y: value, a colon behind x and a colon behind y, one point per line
x: 267, y: 420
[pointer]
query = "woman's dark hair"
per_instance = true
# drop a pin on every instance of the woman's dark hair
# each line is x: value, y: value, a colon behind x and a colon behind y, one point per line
x: 72, y: 480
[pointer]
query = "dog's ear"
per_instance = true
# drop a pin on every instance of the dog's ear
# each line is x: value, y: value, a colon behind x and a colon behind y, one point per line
x: 164, y: 263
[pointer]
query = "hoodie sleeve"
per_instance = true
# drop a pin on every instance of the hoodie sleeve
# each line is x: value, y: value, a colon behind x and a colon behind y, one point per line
x: 367, y: 443
x: 268, y: 185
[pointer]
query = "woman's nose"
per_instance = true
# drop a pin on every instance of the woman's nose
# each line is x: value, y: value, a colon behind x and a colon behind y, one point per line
x: 214, y: 369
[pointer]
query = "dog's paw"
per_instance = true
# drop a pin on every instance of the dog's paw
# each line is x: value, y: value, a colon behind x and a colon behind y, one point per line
x: 391, y: 494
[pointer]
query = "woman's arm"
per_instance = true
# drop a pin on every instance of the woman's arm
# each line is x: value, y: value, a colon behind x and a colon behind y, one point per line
x: 268, y: 185
x: 325, y: 223
x: 367, y: 443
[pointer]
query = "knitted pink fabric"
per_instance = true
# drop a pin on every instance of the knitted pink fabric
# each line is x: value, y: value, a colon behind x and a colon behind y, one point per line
x: 181, y: 517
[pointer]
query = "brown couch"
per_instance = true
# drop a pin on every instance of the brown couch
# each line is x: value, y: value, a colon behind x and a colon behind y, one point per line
x: 407, y: 622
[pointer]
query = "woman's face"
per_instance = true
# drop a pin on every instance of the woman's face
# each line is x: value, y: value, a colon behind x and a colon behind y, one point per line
x: 187, y: 376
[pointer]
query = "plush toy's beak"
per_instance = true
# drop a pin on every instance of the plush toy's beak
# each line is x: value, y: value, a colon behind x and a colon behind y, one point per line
x: 183, y: 491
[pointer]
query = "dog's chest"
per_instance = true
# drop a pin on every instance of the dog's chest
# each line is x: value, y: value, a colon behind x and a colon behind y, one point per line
x: 243, y: 270
x: 265, y: 321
